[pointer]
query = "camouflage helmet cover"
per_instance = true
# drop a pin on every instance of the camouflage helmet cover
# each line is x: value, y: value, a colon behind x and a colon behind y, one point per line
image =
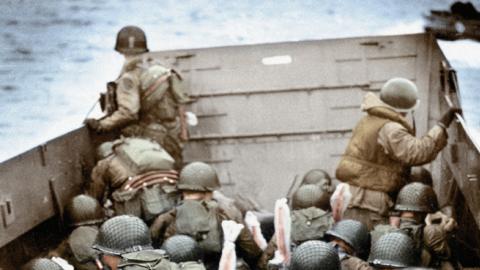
x: 313, y: 255
x: 417, y: 197
x: 131, y: 40
x: 198, y: 176
x: 400, y: 93
x: 123, y: 234
x: 84, y: 210
x: 394, y: 250
x: 310, y: 196
x: 182, y: 248
x: 352, y: 232
x: 42, y: 264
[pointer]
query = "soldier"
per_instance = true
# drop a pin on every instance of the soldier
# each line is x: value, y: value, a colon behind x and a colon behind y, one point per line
x: 83, y: 214
x: 199, y: 216
x: 42, y: 264
x: 185, y: 251
x: 352, y: 241
x: 137, y: 176
x: 317, y: 177
x: 146, y: 99
x: 310, y: 220
x: 383, y: 147
x: 124, y: 243
x: 393, y: 250
x: 313, y: 255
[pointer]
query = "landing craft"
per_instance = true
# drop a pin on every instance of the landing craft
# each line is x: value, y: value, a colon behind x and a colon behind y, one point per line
x: 267, y: 113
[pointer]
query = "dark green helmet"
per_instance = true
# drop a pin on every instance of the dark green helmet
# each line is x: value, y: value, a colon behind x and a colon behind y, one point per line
x: 198, y: 176
x: 354, y: 233
x: 182, y: 248
x: 131, y: 40
x: 42, y: 264
x: 123, y: 234
x: 310, y: 196
x: 417, y: 197
x: 421, y: 175
x: 395, y: 250
x: 317, y: 177
x: 400, y: 93
x: 84, y: 210
x: 313, y: 255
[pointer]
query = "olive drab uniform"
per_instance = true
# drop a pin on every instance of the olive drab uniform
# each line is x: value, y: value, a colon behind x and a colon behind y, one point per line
x: 148, y: 98
x: 377, y: 159
x: 201, y: 220
x: 147, y: 259
x: 135, y: 158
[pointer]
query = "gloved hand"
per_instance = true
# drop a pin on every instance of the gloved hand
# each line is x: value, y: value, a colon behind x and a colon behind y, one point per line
x: 231, y: 230
x: 448, y: 116
x: 436, y: 231
x: 93, y: 124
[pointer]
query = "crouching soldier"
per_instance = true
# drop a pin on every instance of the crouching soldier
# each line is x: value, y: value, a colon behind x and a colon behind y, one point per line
x: 146, y: 100
x: 416, y: 204
x: 84, y: 215
x: 199, y: 216
x: 310, y: 220
x: 124, y: 242
x: 352, y: 241
x: 383, y: 147
x: 137, y: 176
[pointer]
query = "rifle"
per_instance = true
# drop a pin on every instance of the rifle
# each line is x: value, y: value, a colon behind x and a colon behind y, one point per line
x: 108, y: 100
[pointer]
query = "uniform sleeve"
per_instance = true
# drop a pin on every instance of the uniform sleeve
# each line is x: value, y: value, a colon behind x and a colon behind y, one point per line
x: 128, y: 101
x: 177, y: 89
x: 97, y: 184
x: 267, y: 254
x: 160, y: 225
x: 436, y: 240
x: 354, y: 263
x: 409, y: 150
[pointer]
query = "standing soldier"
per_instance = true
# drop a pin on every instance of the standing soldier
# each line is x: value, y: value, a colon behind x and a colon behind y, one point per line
x: 382, y: 149
x: 146, y: 99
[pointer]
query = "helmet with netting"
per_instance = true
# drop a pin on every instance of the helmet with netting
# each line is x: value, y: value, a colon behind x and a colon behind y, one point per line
x: 417, y: 197
x: 393, y: 250
x: 310, y: 196
x: 123, y: 234
x: 42, y: 264
x: 317, y: 177
x: 354, y: 233
x: 313, y: 255
x: 198, y: 176
x: 84, y: 210
x: 182, y: 248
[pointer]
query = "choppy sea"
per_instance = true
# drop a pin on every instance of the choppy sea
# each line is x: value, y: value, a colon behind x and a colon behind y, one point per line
x: 55, y: 56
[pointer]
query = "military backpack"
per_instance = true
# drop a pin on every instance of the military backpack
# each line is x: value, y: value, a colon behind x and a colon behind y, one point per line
x: 310, y: 224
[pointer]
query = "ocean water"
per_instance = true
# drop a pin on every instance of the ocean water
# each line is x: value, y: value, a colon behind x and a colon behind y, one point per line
x: 55, y: 56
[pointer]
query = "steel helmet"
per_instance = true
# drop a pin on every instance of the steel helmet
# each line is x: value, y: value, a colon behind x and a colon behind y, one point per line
x: 123, y: 234
x: 198, y: 176
x: 42, y: 264
x: 182, y: 248
x: 310, y: 196
x: 417, y: 197
x: 131, y: 40
x: 395, y: 250
x: 400, y: 93
x: 313, y: 255
x: 84, y: 210
x: 352, y: 232
x: 317, y: 177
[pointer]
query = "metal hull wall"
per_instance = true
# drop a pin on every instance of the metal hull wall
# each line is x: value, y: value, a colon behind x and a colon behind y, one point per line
x: 261, y: 126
